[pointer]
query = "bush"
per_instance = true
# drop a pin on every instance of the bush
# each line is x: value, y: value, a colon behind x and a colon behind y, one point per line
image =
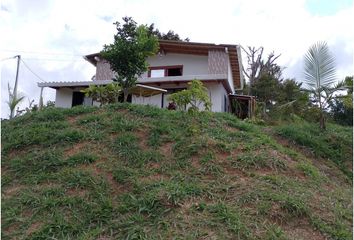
x: 195, y: 95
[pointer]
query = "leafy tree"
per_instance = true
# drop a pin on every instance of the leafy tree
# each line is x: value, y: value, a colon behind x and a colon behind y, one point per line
x: 291, y: 99
x: 127, y: 55
x: 195, y: 95
x: 340, y: 113
x: 342, y: 106
x: 170, y: 35
x: 320, y: 77
x: 258, y: 66
x: 348, y: 100
x: 266, y: 89
x: 14, y: 100
x: 103, y: 94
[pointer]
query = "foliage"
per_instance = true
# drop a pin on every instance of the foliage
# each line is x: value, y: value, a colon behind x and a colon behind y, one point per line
x: 340, y: 112
x: 127, y: 55
x: 320, y: 77
x: 341, y: 107
x: 14, y: 100
x: 257, y: 66
x: 277, y: 98
x: 267, y: 89
x: 103, y: 94
x: 170, y: 35
x: 291, y: 100
x: 195, y: 95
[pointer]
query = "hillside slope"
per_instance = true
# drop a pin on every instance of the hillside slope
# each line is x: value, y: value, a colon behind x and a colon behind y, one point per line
x: 138, y: 172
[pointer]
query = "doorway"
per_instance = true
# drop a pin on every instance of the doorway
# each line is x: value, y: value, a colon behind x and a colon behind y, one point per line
x: 78, y: 98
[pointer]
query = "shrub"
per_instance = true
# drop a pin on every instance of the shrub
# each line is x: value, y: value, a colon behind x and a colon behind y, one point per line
x: 195, y: 95
x: 103, y: 94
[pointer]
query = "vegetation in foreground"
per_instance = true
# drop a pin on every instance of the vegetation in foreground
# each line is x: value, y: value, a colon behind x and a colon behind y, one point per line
x: 138, y: 172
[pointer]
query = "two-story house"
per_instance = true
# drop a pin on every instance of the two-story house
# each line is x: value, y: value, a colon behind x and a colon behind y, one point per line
x: 177, y: 63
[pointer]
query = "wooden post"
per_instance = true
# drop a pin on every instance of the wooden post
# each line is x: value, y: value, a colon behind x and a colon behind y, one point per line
x: 40, y: 104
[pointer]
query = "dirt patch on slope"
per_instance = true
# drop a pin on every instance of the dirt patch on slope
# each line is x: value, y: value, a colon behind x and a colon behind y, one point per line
x: 302, y: 230
x: 74, y: 149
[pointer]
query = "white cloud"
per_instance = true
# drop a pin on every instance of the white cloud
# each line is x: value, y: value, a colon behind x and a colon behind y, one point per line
x: 65, y: 30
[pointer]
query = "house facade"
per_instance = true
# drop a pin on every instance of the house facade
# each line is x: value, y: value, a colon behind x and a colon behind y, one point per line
x: 176, y: 64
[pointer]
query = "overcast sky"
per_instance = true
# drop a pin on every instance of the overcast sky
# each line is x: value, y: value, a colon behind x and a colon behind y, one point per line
x: 52, y: 36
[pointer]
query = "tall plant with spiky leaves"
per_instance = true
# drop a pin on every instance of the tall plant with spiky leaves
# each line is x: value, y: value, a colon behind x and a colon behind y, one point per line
x: 320, y: 77
x: 14, y: 100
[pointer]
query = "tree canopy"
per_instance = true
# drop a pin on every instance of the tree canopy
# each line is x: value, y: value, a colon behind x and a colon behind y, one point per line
x: 128, y: 53
x: 170, y: 35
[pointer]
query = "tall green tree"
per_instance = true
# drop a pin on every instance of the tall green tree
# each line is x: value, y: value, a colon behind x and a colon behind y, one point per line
x: 341, y: 108
x: 320, y: 77
x: 128, y: 53
x: 170, y: 35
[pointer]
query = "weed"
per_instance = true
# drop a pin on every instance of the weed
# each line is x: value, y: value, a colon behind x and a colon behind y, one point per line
x: 231, y: 218
x: 309, y: 170
x: 81, y: 158
x: 124, y: 174
x: 275, y: 232
x: 294, y: 206
x: 258, y: 160
x: 121, y: 123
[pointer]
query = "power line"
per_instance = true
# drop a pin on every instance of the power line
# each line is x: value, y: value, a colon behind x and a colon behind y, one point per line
x: 7, y: 58
x: 42, y: 53
x: 54, y: 60
x: 31, y: 70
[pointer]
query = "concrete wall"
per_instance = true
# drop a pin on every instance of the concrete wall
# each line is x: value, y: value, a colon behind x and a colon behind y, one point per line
x: 192, y: 64
x: 229, y: 76
x: 64, y: 98
x: 153, y: 100
x: 216, y: 92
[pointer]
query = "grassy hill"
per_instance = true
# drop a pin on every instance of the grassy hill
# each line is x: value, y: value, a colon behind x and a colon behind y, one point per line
x: 138, y: 172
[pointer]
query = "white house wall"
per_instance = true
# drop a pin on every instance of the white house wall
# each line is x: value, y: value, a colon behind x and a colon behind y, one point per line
x: 192, y: 64
x: 153, y: 100
x: 229, y: 77
x: 64, y: 98
x: 217, y: 93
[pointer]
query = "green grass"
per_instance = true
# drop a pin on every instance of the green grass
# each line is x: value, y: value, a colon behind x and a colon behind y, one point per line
x: 128, y: 171
x: 335, y: 143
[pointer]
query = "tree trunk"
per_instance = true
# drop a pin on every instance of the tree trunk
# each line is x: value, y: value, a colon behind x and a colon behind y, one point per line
x: 322, y: 118
x: 125, y: 94
x: 322, y: 121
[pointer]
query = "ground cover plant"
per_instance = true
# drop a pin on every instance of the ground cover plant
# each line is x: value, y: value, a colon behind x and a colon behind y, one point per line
x: 126, y: 171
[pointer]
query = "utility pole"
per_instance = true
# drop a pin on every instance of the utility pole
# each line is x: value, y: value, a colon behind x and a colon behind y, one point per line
x: 18, y: 68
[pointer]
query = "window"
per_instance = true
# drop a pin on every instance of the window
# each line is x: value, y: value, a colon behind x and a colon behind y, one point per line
x: 165, y: 71
x: 78, y: 98
x: 157, y: 73
x: 174, y: 72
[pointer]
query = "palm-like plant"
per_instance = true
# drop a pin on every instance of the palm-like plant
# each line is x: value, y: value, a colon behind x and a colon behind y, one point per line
x: 14, y: 100
x: 320, y: 76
